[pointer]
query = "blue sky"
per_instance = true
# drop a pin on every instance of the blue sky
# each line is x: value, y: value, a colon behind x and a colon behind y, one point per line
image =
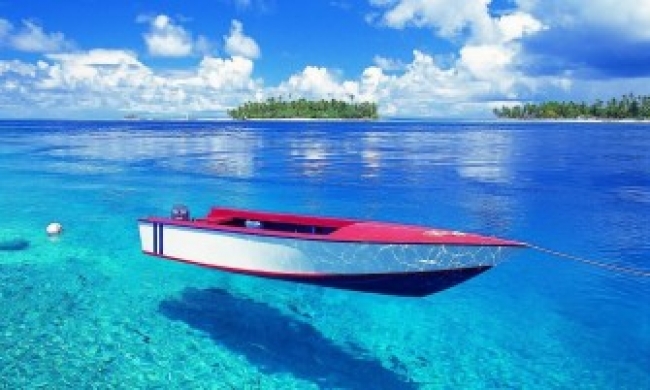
x: 414, y: 58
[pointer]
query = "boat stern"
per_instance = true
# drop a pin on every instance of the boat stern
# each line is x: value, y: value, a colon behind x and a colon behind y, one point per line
x: 146, y: 229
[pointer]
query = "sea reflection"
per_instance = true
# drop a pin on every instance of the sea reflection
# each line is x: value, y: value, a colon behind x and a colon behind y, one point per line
x: 310, y: 155
x: 219, y: 151
x: 231, y: 154
x: 540, y: 183
x: 372, y: 155
x: 485, y: 156
x: 331, y: 152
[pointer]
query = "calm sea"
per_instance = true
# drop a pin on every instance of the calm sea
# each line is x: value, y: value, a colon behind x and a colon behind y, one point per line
x: 88, y: 310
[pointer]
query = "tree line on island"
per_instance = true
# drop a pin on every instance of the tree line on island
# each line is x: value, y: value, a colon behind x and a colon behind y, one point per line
x: 627, y: 107
x: 278, y: 108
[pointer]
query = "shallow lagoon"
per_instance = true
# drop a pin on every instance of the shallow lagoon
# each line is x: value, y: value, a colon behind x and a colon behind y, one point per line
x: 88, y: 310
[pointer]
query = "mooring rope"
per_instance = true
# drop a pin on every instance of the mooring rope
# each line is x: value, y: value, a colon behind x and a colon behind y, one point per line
x: 595, y: 263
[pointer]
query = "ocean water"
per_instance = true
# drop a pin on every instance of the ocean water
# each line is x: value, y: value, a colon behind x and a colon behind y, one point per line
x: 88, y: 310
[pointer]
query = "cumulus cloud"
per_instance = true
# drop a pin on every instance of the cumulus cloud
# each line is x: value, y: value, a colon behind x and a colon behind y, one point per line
x: 425, y: 89
x: 388, y: 64
x: 517, y: 25
x: 238, y: 44
x: 17, y: 68
x: 96, y: 70
x: 605, y: 39
x: 470, y: 21
x: 233, y: 74
x: 448, y: 17
x: 482, y: 69
x: 165, y: 38
x: 114, y: 81
x: 313, y: 81
x: 484, y: 62
x: 536, y: 49
x: 31, y: 37
x: 487, y: 64
x: 627, y: 19
x: 203, y: 46
x: 422, y: 88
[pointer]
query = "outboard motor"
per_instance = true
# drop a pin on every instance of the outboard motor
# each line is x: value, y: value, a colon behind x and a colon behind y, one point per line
x: 180, y: 213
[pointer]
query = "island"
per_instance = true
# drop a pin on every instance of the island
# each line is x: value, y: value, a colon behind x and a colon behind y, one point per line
x: 627, y: 107
x: 277, y: 108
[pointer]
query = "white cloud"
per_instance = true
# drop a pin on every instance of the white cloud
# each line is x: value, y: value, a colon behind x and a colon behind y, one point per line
x: 448, y: 17
x: 233, y: 74
x: 424, y: 88
x: 604, y: 39
x: 96, y: 70
x: 203, y: 46
x: 166, y: 39
x: 493, y: 57
x: 316, y: 82
x: 113, y: 81
x: 388, y: 64
x: 313, y: 81
x: 485, y: 68
x: 31, y: 38
x: 17, y: 68
x: 486, y: 62
x: 630, y: 18
x: 415, y: 91
x: 116, y: 81
x: 238, y: 44
x: 372, y: 77
x: 517, y: 25
x: 451, y: 19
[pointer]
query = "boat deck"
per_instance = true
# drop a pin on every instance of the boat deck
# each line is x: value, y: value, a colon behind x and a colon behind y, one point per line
x: 330, y: 229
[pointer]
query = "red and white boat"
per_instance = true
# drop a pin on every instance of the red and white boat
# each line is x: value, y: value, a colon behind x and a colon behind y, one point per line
x: 369, y: 256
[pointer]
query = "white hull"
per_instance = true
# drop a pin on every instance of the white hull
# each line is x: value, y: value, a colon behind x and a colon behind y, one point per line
x: 252, y: 253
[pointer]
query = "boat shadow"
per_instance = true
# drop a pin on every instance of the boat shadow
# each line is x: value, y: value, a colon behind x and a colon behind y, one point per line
x: 276, y: 342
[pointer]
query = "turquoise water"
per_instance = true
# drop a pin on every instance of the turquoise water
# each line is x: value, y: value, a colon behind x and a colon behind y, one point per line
x: 88, y: 310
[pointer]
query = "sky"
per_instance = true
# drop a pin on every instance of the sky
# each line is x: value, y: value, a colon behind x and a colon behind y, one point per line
x: 91, y: 59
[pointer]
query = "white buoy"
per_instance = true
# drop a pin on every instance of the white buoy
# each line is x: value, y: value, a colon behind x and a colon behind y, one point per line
x: 54, y: 229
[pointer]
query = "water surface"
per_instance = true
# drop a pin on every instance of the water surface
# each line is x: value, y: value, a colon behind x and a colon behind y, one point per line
x: 88, y: 309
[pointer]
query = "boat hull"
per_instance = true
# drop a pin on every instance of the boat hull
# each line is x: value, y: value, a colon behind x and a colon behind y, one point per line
x: 389, y: 268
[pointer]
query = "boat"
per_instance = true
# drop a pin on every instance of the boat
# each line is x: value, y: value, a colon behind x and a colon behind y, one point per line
x: 368, y: 256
